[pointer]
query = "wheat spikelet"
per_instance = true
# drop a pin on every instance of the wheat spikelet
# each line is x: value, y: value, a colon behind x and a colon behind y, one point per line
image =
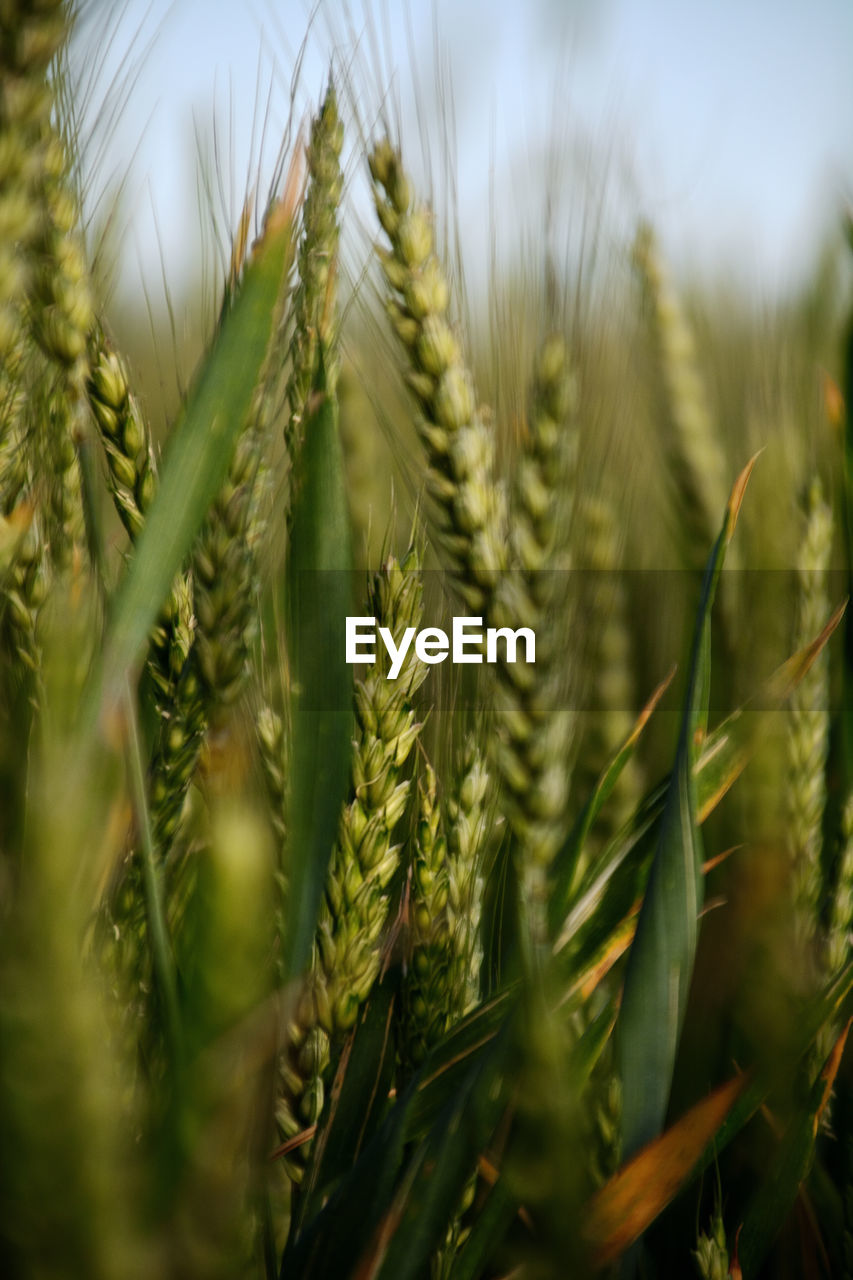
x: 531, y: 745
x: 132, y: 479
x: 24, y: 583
x: 213, y: 654
x: 711, y: 1253
x: 446, y: 901
x: 466, y: 824
x: 841, y: 912
x: 314, y: 300
x: 697, y: 462
x: 272, y: 746
x: 30, y: 36
x: 365, y: 858
x: 355, y: 905
x: 125, y: 435
x: 62, y: 318
x: 443, y: 976
x: 808, y: 737
x: 608, y: 682
x: 458, y: 443
x: 427, y: 1008
x: 302, y: 1066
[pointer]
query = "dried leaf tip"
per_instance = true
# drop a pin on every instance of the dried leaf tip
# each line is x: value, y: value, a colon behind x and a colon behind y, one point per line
x: 281, y: 216
x: 737, y: 494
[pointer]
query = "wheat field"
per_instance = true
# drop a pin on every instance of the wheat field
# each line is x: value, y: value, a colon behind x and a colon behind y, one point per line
x: 526, y: 956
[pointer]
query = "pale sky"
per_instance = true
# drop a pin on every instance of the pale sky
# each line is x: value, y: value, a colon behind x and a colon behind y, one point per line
x: 728, y: 123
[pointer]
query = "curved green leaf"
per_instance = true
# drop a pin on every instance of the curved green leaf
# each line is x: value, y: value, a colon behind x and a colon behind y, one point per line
x: 774, y: 1197
x: 319, y: 599
x: 357, y: 1102
x: 568, y: 864
x: 488, y: 1230
x: 600, y: 903
x: 435, y: 1178
x: 199, y: 452
x: 635, y: 1195
x: 660, y: 963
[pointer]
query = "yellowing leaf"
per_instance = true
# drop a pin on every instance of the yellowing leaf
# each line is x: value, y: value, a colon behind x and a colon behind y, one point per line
x: 619, y: 1213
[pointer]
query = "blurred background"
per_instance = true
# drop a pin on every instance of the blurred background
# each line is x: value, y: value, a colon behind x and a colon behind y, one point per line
x: 730, y: 125
x: 543, y: 134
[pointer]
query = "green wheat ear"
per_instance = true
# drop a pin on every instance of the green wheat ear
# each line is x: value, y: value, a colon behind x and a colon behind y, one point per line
x: 427, y: 1009
x: 711, y: 1253
x: 808, y: 737
x: 458, y: 443
x: 125, y: 436
x: 354, y: 912
x: 608, y: 681
x: 443, y: 981
x: 365, y: 859
x: 45, y: 307
x: 315, y: 316
x: 840, y: 936
x: 467, y: 824
x: 532, y: 742
x: 694, y: 452
x: 30, y: 37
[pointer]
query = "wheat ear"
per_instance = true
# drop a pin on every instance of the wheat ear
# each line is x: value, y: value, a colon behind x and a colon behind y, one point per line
x: 459, y: 445
x: 695, y: 456
x: 808, y: 738
x: 427, y: 1010
x: 531, y: 745
x: 365, y: 859
x: 608, y: 680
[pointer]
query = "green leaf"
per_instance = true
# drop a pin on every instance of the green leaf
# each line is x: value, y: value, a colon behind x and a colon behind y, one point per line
x: 347, y: 1227
x: 776, y: 1194
x: 603, y: 898
x: 661, y: 959
x: 621, y: 1211
x: 199, y: 454
x: 392, y: 1230
x: 834, y: 1005
x: 330, y: 1241
x: 319, y: 598
x: 432, y: 1185
x: 727, y: 750
x: 195, y: 466
x: 489, y: 1228
x: 643, y: 1186
x: 357, y: 1101
x: 501, y: 915
x: 590, y: 1045
x: 568, y: 863
x: 446, y: 1066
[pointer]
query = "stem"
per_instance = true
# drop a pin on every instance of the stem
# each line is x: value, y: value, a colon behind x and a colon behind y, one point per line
x: 161, y: 953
